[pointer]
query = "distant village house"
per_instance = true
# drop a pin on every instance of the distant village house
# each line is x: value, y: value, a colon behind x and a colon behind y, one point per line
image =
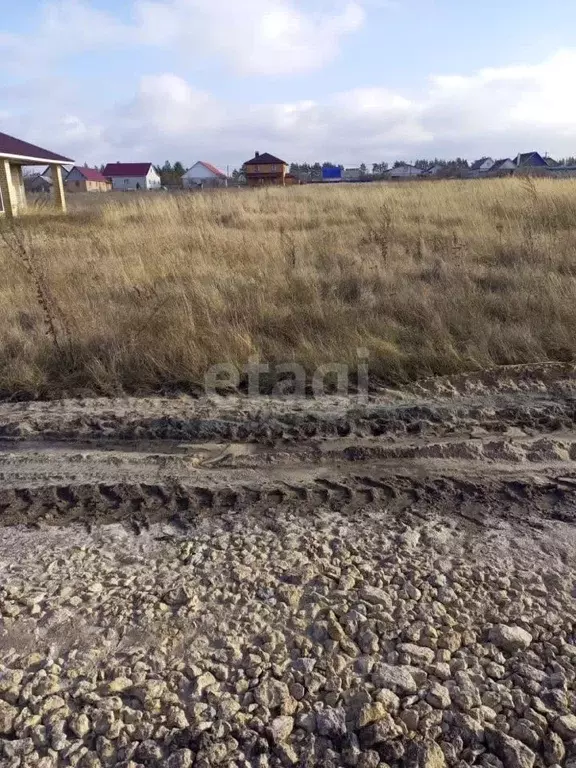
x: 266, y: 170
x: 531, y: 160
x: 47, y: 172
x: 203, y: 174
x: 481, y: 167
x: 405, y: 171
x: 132, y: 177
x: 37, y: 183
x: 504, y: 167
x: 351, y: 174
x: 81, y: 179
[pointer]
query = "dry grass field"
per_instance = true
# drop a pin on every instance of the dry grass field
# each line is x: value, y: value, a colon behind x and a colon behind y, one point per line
x: 143, y: 294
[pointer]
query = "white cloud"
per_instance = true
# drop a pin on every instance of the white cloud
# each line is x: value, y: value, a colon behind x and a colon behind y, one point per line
x: 168, y: 106
x: 76, y: 26
x: 263, y: 37
x: 65, y: 27
x: 497, y: 111
x: 507, y: 106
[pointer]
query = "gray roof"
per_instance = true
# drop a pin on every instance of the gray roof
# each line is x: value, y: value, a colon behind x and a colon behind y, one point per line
x: 479, y: 163
x: 501, y: 162
x: 37, y: 179
x: 524, y: 158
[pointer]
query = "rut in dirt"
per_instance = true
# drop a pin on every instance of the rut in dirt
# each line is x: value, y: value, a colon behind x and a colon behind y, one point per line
x: 493, y: 445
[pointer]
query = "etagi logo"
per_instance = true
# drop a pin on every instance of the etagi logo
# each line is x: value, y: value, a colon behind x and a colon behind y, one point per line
x: 291, y: 379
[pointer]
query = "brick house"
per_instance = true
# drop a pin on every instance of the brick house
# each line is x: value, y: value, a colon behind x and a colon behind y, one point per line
x: 266, y: 170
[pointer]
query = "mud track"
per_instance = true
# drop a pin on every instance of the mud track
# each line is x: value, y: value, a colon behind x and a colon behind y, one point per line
x: 479, y: 447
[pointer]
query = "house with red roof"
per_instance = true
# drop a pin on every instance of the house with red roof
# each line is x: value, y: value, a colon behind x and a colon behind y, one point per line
x: 204, y: 174
x: 132, y: 176
x: 81, y: 179
x: 15, y: 154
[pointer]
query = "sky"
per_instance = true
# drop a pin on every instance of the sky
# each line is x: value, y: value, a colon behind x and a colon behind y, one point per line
x: 345, y: 81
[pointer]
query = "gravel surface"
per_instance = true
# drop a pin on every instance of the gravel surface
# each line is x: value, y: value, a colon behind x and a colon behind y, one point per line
x: 429, y: 624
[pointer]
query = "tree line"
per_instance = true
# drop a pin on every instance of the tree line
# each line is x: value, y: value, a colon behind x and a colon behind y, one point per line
x: 170, y: 175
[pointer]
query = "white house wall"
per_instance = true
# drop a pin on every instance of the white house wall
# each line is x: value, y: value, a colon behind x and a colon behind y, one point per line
x: 199, y: 174
x: 199, y: 171
x: 402, y: 173
x: 152, y: 181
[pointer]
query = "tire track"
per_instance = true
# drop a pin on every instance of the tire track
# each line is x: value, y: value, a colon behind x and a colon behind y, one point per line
x: 480, y: 457
x: 141, y: 504
x: 264, y: 421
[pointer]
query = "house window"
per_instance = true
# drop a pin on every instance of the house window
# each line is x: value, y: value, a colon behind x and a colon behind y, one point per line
x: 126, y: 182
x: 274, y: 168
x: 77, y: 183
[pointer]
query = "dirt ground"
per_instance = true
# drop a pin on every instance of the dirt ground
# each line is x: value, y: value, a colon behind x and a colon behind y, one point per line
x: 272, y: 582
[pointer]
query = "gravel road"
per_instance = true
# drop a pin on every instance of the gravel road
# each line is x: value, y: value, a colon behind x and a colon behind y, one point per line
x: 241, y: 582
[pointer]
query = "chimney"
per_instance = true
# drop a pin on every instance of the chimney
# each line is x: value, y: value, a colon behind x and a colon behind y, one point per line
x: 257, y: 154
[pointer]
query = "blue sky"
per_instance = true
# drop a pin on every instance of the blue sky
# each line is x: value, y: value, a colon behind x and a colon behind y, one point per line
x: 341, y: 80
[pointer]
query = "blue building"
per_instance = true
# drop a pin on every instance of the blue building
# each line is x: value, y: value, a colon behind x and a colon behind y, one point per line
x: 331, y: 174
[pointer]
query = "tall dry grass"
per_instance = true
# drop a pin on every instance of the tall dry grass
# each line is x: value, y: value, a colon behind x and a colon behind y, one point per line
x: 145, y: 293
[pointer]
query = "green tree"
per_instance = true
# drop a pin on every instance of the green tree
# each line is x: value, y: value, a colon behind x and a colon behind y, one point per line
x: 379, y: 169
x: 171, y: 175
